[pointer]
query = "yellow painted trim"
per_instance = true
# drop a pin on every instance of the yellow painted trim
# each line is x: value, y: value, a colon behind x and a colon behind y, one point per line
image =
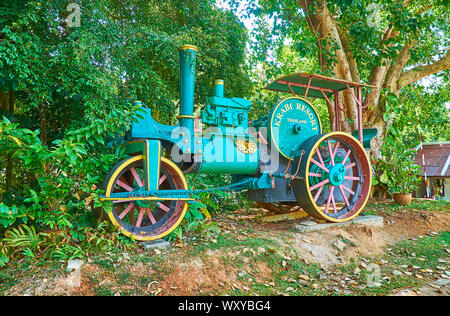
x: 186, y: 116
x: 331, y: 219
x: 271, y: 121
x: 146, y: 163
x: 113, y: 219
x: 187, y: 46
x: 135, y: 141
x: 219, y: 81
x: 118, y: 170
x: 159, y: 164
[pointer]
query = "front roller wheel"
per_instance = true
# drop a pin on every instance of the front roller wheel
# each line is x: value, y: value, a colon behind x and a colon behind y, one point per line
x: 335, y: 177
x: 145, y: 219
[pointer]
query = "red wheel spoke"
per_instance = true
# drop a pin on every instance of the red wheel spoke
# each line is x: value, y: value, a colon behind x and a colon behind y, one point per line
x: 321, y: 166
x: 124, y: 185
x: 331, y: 152
x: 352, y: 178
x: 343, y: 194
x: 319, y: 156
x: 136, y: 177
x: 318, y: 193
x: 319, y: 184
x: 350, y: 165
x: 346, y: 156
x: 330, y: 197
x: 334, y: 202
x: 162, y: 179
x: 313, y: 174
x: 140, y: 217
x: 125, y: 211
x: 165, y: 208
x: 336, y: 149
x: 119, y: 208
x: 150, y: 215
x: 347, y: 189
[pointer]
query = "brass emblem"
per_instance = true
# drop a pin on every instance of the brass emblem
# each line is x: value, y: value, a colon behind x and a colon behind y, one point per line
x: 246, y: 146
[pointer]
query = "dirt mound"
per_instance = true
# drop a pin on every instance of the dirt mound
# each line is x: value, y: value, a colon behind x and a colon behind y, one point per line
x: 198, y: 275
x: 339, y: 245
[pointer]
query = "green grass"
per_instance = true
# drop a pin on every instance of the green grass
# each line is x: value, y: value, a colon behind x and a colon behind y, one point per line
x: 422, y: 205
x: 7, y: 280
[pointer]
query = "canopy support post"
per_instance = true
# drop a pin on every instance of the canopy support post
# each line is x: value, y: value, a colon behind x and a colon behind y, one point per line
x: 330, y: 106
x: 290, y: 89
x: 360, y: 120
x: 336, y: 110
x: 307, y: 88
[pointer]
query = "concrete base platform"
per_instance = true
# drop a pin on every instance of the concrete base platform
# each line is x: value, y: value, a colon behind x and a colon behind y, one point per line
x: 366, y: 220
x: 158, y: 243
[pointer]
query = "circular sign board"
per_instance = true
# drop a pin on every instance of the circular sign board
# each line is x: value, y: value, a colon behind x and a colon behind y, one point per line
x: 291, y: 121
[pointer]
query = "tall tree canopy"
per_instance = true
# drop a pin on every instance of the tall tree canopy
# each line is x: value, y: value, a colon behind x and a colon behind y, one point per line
x: 388, y: 44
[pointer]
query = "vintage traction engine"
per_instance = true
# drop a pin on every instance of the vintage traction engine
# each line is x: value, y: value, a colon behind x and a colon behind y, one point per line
x: 282, y: 159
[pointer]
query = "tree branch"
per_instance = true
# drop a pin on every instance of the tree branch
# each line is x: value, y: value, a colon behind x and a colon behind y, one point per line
x: 348, y: 53
x: 378, y: 76
x: 395, y: 70
x: 423, y: 71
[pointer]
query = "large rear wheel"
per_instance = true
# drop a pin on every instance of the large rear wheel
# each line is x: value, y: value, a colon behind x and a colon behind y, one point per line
x: 335, y: 177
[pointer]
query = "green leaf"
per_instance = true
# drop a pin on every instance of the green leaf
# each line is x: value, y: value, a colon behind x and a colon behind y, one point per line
x: 384, y: 177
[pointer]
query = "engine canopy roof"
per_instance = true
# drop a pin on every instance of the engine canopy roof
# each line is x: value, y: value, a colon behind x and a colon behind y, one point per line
x: 299, y: 83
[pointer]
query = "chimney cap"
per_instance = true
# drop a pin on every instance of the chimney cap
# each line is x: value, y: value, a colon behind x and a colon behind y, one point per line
x: 186, y: 47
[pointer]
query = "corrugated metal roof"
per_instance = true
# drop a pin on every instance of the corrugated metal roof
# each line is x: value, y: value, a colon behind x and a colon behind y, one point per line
x: 437, y: 159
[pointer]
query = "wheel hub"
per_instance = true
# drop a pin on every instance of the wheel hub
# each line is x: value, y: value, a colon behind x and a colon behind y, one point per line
x: 337, y: 173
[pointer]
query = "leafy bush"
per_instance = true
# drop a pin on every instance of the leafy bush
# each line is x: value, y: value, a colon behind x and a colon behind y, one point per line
x: 197, y: 221
x: 26, y: 241
x: 65, y: 176
x: 24, y: 238
x: 10, y: 215
x: 397, y: 171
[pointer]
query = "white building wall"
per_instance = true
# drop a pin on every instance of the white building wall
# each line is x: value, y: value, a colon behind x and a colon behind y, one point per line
x: 447, y: 189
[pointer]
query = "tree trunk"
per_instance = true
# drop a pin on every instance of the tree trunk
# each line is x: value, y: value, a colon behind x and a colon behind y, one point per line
x: 43, y: 115
x: 328, y: 36
x: 389, y: 74
x: 7, y: 101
